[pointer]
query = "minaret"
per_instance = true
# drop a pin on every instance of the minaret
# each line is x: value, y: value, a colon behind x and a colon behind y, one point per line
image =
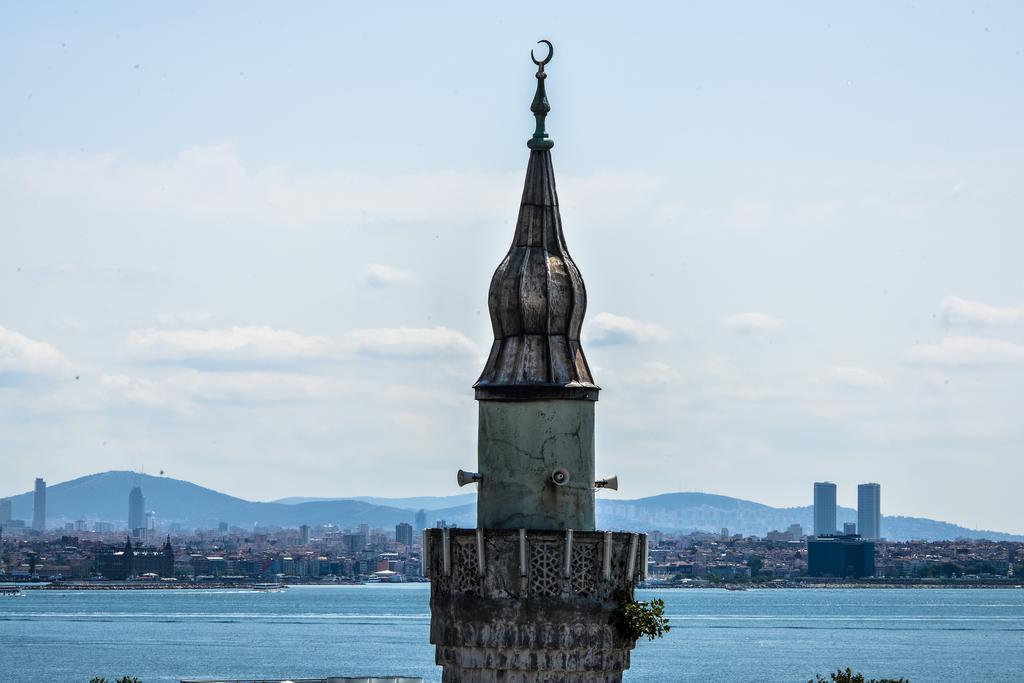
x: 536, y: 394
x: 529, y: 594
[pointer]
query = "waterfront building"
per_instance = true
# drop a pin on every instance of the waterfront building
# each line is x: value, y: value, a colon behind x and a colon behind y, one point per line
x: 869, y: 511
x: 849, y: 528
x: 403, y: 534
x: 129, y: 561
x: 39, y: 506
x: 824, y: 508
x: 840, y: 556
x: 136, y: 511
x: 528, y: 595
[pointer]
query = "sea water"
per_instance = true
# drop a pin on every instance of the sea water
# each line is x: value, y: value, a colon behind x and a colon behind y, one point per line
x: 717, y: 636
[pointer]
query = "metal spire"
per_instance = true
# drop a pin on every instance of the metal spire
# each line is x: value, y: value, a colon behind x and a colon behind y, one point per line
x: 540, y: 106
x: 537, y: 298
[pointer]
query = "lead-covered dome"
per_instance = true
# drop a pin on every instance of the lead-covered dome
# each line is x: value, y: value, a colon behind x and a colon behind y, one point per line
x: 537, y: 301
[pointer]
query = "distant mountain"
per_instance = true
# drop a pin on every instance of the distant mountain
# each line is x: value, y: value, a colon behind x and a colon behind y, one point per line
x: 414, y: 503
x: 683, y: 512
x: 104, y: 497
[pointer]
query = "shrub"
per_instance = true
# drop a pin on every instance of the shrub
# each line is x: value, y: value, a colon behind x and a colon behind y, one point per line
x: 848, y: 676
x: 635, y: 620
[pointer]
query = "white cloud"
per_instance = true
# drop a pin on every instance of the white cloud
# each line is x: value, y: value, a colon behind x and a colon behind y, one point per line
x: 852, y: 376
x: 251, y: 386
x: 409, y: 341
x: 146, y: 392
x: 212, y: 182
x: 752, y: 321
x: 964, y: 351
x: 380, y: 275
x: 957, y: 310
x: 252, y: 342
x: 608, y: 329
x: 20, y: 354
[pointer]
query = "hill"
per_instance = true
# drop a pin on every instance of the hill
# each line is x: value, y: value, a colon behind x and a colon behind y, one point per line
x: 104, y: 497
x: 413, y: 503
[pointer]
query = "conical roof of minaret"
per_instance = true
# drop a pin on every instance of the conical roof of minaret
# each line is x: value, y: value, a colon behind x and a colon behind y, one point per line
x: 537, y: 298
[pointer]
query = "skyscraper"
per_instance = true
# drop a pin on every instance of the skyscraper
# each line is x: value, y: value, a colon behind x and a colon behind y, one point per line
x: 39, y: 506
x: 403, y: 533
x: 421, y: 520
x: 824, y: 508
x: 136, y: 509
x: 5, y: 510
x: 869, y: 511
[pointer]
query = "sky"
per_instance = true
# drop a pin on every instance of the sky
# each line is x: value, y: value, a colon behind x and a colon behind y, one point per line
x: 249, y: 244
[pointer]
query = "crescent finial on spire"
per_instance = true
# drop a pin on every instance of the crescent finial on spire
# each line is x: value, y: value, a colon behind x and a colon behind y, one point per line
x: 540, y: 106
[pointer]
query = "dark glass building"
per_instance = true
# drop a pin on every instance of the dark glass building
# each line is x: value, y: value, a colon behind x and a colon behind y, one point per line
x: 840, y: 557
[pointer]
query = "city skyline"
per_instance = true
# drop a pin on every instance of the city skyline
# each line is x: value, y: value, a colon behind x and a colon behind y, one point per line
x: 665, y: 513
x: 829, y: 283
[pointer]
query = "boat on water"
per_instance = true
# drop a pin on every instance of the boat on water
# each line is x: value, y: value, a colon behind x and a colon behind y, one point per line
x: 268, y: 587
x: 10, y: 590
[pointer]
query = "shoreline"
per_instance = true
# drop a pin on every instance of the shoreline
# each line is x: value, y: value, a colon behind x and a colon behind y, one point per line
x: 736, y: 587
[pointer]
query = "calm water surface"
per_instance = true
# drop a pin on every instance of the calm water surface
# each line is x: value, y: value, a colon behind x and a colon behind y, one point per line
x: 717, y: 636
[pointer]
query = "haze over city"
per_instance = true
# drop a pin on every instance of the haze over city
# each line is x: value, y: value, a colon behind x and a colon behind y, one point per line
x: 254, y: 255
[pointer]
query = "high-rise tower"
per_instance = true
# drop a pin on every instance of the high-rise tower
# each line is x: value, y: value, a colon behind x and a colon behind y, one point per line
x: 136, y: 510
x: 39, y: 505
x: 869, y: 511
x: 824, y: 508
x: 527, y: 596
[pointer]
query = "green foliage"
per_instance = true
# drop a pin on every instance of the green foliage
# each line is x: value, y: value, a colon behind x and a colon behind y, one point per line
x: 635, y: 620
x: 849, y: 676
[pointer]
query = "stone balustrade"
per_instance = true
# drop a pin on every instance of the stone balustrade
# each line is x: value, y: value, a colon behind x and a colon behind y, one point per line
x: 526, y: 606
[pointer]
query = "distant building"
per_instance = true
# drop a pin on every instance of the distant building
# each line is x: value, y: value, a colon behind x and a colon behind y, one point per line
x: 796, y: 532
x: 849, y: 528
x: 421, y: 520
x: 824, y: 508
x: 5, y: 510
x: 304, y: 534
x: 39, y: 506
x: 118, y: 565
x: 354, y: 543
x: 869, y: 511
x: 403, y: 534
x: 840, y: 557
x: 136, y: 511
x: 222, y: 527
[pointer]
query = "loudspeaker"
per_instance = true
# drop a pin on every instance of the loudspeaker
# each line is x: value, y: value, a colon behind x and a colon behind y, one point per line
x: 468, y: 477
x: 560, y: 476
x: 609, y: 483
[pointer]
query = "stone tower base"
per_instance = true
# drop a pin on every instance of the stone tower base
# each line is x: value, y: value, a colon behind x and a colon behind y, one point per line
x: 530, y: 606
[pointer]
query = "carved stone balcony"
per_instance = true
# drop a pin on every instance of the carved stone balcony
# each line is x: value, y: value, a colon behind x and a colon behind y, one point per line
x: 527, y: 606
